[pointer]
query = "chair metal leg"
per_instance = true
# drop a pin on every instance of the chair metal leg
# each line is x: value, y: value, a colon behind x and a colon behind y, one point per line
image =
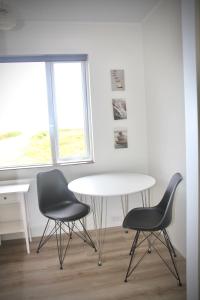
x: 61, y: 250
x: 70, y: 232
x: 133, y: 247
x: 172, y: 258
x: 43, y: 235
x: 171, y: 246
x: 60, y: 228
x: 167, y: 243
x: 85, y: 236
x: 88, y: 238
x: 130, y: 252
x: 146, y: 237
x: 44, y: 239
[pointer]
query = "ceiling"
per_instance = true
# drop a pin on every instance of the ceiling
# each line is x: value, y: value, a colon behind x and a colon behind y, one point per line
x: 81, y: 10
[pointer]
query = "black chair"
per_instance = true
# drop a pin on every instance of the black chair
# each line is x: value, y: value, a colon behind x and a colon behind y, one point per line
x: 58, y: 203
x: 152, y: 221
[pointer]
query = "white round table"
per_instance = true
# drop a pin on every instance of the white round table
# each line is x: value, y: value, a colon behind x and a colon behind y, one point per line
x: 111, y: 184
x: 101, y: 186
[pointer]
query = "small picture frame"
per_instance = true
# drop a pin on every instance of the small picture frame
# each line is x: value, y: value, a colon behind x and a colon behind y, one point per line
x: 117, y: 80
x: 120, y: 138
x: 119, y: 109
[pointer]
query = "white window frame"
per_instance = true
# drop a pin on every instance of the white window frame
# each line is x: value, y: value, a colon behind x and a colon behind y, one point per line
x: 49, y: 60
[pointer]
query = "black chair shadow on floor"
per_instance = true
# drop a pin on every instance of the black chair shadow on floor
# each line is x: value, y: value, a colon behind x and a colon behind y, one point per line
x: 152, y: 222
x: 59, y: 204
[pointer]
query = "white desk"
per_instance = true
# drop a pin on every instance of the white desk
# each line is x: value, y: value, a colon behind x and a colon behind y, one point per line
x: 101, y: 186
x: 14, y: 194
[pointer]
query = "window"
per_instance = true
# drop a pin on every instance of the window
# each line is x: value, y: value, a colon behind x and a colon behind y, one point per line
x: 44, y: 110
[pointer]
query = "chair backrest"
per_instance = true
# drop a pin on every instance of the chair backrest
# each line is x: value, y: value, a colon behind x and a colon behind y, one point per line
x: 166, y: 203
x: 52, y: 189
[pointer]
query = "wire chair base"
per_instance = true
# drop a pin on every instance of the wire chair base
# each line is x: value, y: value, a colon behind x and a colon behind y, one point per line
x: 68, y: 229
x: 167, y: 243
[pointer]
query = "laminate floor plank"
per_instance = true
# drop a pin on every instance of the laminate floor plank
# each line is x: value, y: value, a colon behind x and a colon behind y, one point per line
x: 37, y: 276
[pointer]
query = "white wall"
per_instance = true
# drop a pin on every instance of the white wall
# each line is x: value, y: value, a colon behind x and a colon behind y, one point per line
x: 109, y: 46
x: 165, y: 107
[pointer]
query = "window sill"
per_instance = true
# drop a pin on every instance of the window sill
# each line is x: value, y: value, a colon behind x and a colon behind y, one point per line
x: 91, y: 161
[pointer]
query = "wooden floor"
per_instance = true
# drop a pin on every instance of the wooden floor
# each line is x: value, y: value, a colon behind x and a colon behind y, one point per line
x: 37, y: 276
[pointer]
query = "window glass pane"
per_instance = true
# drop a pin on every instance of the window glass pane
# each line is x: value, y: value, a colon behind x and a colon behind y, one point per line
x: 24, y: 129
x: 70, y: 110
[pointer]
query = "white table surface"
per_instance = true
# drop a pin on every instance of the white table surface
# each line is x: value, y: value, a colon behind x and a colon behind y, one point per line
x: 111, y: 184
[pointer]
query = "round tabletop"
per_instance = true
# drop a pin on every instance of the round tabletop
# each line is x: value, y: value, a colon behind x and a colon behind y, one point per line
x: 111, y: 184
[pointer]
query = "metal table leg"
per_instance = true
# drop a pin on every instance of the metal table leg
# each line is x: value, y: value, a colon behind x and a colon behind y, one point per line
x: 146, y: 198
x: 99, y: 209
x: 146, y: 202
x: 84, y: 220
x: 125, y: 206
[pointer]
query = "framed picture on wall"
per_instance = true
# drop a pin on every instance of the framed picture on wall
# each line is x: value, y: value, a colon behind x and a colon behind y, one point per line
x: 120, y: 138
x: 119, y: 109
x: 117, y: 80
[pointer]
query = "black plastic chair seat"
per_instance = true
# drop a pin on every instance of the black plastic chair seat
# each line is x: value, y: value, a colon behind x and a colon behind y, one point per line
x: 143, y: 219
x: 67, y: 212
